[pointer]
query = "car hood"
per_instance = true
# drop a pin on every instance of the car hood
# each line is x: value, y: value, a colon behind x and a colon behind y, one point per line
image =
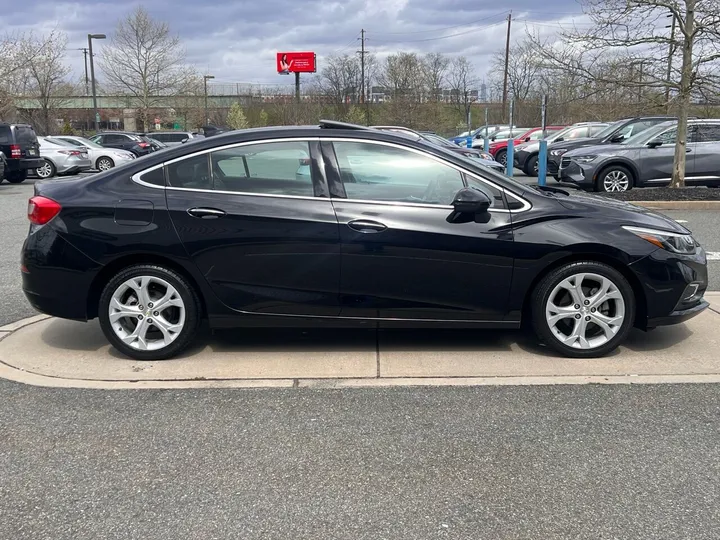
x: 533, y: 146
x: 575, y: 143
x: 601, y: 207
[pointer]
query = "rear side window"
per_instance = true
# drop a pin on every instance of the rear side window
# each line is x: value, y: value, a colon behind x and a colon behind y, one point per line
x: 155, y: 177
x: 193, y: 173
x: 114, y: 138
x: 162, y: 137
x: 708, y: 133
x: 5, y: 137
x: 25, y: 135
x: 273, y: 168
x: 577, y: 133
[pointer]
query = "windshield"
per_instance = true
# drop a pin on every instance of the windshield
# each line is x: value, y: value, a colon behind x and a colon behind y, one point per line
x: 608, y: 130
x: 646, y: 135
x: 82, y: 141
x: 436, y: 139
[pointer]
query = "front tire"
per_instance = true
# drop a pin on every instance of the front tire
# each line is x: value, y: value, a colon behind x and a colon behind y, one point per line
x: 16, y: 177
x: 104, y: 164
x: 583, y: 309
x: 614, y: 179
x: 501, y: 157
x: 46, y: 171
x: 531, y: 166
x: 149, y: 312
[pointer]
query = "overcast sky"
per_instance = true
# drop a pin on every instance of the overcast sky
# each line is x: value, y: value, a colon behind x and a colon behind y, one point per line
x: 237, y: 40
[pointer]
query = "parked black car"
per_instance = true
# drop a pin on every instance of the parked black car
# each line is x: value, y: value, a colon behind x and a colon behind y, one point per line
x: 19, y: 144
x: 132, y: 142
x: 345, y: 225
x: 615, y: 133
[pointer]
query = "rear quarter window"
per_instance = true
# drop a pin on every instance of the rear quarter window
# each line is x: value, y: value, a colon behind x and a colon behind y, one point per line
x: 5, y: 135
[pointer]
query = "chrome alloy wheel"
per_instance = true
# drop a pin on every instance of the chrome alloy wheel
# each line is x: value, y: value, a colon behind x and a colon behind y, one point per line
x: 146, y: 313
x: 585, y: 311
x: 45, y: 171
x: 616, y: 181
x: 104, y: 164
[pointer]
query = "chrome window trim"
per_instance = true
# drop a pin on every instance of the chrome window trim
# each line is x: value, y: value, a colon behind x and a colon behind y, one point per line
x: 508, y: 193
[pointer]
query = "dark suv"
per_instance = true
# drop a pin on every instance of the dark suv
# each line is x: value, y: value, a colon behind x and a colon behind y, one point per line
x: 22, y: 151
x: 615, y: 133
x: 132, y: 142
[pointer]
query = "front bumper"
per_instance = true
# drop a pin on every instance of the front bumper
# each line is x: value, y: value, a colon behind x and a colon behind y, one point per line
x: 582, y: 175
x: 673, y: 287
x: 520, y: 157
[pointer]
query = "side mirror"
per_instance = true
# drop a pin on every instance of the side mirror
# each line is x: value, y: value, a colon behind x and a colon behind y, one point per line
x: 654, y: 143
x: 493, y: 138
x: 471, y: 201
x: 185, y: 140
x: 527, y: 139
x: 617, y: 138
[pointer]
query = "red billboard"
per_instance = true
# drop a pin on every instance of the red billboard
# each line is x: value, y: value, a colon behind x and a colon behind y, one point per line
x: 296, y: 62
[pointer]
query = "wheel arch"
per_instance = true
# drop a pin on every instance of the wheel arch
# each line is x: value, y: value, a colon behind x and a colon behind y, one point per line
x: 101, y: 157
x: 115, y: 266
x: 632, y: 167
x: 587, y: 254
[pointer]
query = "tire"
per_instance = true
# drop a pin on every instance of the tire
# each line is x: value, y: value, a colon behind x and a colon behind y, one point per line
x: 501, y: 157
x: 614, y: 178
x: 16, y: 177
x: 46, y: 171
x: 531, y: 166
x: 104, y: 163
x: 181, y: 318
x: 573, y: 332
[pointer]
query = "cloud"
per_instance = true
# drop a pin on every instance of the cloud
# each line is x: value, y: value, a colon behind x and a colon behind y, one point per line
x: 237, y: 40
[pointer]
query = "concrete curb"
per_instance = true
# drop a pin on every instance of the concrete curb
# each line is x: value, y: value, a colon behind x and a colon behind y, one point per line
x: 678, y: 205
x: 22, y: 376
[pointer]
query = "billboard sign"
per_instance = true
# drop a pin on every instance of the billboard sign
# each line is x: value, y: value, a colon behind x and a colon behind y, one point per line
x: 296, y: 62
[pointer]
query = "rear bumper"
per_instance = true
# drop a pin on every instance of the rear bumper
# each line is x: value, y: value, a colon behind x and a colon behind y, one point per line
x: 24, y: 164
x: 73, y: 165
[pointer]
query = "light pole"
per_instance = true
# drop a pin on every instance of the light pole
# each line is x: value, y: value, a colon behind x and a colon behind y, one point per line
x: 206, y: 78
x: 92, y: 76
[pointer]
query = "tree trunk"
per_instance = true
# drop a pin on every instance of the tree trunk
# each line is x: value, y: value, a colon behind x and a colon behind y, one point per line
x: 683, y: 104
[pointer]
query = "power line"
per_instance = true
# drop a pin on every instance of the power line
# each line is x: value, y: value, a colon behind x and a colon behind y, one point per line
x: 346, y: 47
x: 443, y: 37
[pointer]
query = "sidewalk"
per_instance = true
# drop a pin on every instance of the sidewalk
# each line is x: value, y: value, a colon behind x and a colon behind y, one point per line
x: 54, y: 352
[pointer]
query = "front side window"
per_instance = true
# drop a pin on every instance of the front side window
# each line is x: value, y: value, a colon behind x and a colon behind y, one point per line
x: 577, y: 133
x: 272, y: 168
x: 193, y: 173
x: 377, y: 172
x: 114, y: 138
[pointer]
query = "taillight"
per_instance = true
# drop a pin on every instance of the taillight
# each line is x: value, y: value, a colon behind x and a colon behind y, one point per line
x: 305, y: 161
x: 143, y: 145
x: 15, y: 151
x: 70, y: 152
x: 41, y: 210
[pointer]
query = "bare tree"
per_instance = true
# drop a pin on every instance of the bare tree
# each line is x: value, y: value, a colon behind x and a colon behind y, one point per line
x: 15, y: 51
x: 45, y: 71
x: 340, y: 80
x: 435, y: 66
x: 524, y: 66
x: 463, y: 86
x: 144, y: 61
x: 634, y: 34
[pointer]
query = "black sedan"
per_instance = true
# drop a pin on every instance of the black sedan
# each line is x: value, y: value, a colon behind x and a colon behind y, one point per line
x: 344, y: 225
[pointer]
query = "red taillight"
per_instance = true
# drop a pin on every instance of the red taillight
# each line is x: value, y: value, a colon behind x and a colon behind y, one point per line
x: 143, y: 145
x: 15, y: 151
x: 69, y: 152
x: 41, y: 210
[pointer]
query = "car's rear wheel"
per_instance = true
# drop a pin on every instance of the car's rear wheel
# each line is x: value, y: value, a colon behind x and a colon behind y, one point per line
x: 501, y: 157
x: 16, y: 177
x: 615, y: 178
x: 48, y: 170
x: 105, y: 163
x: 583, y: 309
x: 531, y: 166
x: 148, y: 312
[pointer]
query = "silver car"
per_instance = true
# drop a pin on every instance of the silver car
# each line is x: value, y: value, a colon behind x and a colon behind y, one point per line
x: 61, y: 158
x: 174, y: 138
x: 102, y: 158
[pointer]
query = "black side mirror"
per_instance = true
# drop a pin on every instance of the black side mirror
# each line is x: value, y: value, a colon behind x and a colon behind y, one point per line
x: 617, y: 138
x: 471, y: 201
x: 185, y: 140
x: 527, y: 139
x: 654, y: 143
x: 559, y: 139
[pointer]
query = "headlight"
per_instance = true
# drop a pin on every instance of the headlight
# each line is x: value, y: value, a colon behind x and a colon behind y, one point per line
x: 683, y: 244
x: 483, y: 155
x: 558, y: 152
x: 583, y: 159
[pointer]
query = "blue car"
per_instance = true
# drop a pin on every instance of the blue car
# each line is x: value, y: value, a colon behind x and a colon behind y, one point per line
x: 479, y: 133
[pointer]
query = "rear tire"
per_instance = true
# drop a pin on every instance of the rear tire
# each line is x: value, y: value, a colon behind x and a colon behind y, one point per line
x: 531, y: 166
x: 583, y: 309
x: 16, y: 177
x: 149, y: 312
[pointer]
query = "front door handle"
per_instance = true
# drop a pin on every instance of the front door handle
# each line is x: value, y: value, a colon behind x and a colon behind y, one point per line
x: 367, y: 226
x: 206, y: 213
x: 688, y: 150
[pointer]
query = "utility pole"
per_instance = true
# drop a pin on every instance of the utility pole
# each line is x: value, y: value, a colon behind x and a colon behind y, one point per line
x: 364, y: 85
x: 92, y: 75
x: 87, y: 80
x: 507, y: 58
x: 671, y: 53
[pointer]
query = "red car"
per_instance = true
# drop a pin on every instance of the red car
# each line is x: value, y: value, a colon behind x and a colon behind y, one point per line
x: 499, y: 149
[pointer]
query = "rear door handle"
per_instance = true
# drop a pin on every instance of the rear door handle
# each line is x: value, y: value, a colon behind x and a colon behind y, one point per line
x: 206, y: 213
x: 367, y: 226
x: 688, y: 150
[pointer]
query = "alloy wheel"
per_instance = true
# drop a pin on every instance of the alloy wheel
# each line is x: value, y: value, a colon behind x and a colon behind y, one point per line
x: 585, y: 311
x: 147, y: 313
x: 45, y: 171
x: 616, y: 181
x: 104, y: 164
x: 502, y: 158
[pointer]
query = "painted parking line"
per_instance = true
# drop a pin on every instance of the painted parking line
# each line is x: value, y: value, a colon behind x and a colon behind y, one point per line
x: 713, y: 255
x: 681, y: 220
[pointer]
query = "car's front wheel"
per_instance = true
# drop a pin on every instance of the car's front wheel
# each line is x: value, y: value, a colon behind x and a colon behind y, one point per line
x: 583, y: 309
x: 105, y: 163
x: 148, y: 312
x: 501, y: 157
x: 531, y: 166
x: 615, y: 178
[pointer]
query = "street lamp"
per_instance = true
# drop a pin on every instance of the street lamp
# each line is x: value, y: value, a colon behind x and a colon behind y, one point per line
x: 92, y: 76
x: 205, y: 80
